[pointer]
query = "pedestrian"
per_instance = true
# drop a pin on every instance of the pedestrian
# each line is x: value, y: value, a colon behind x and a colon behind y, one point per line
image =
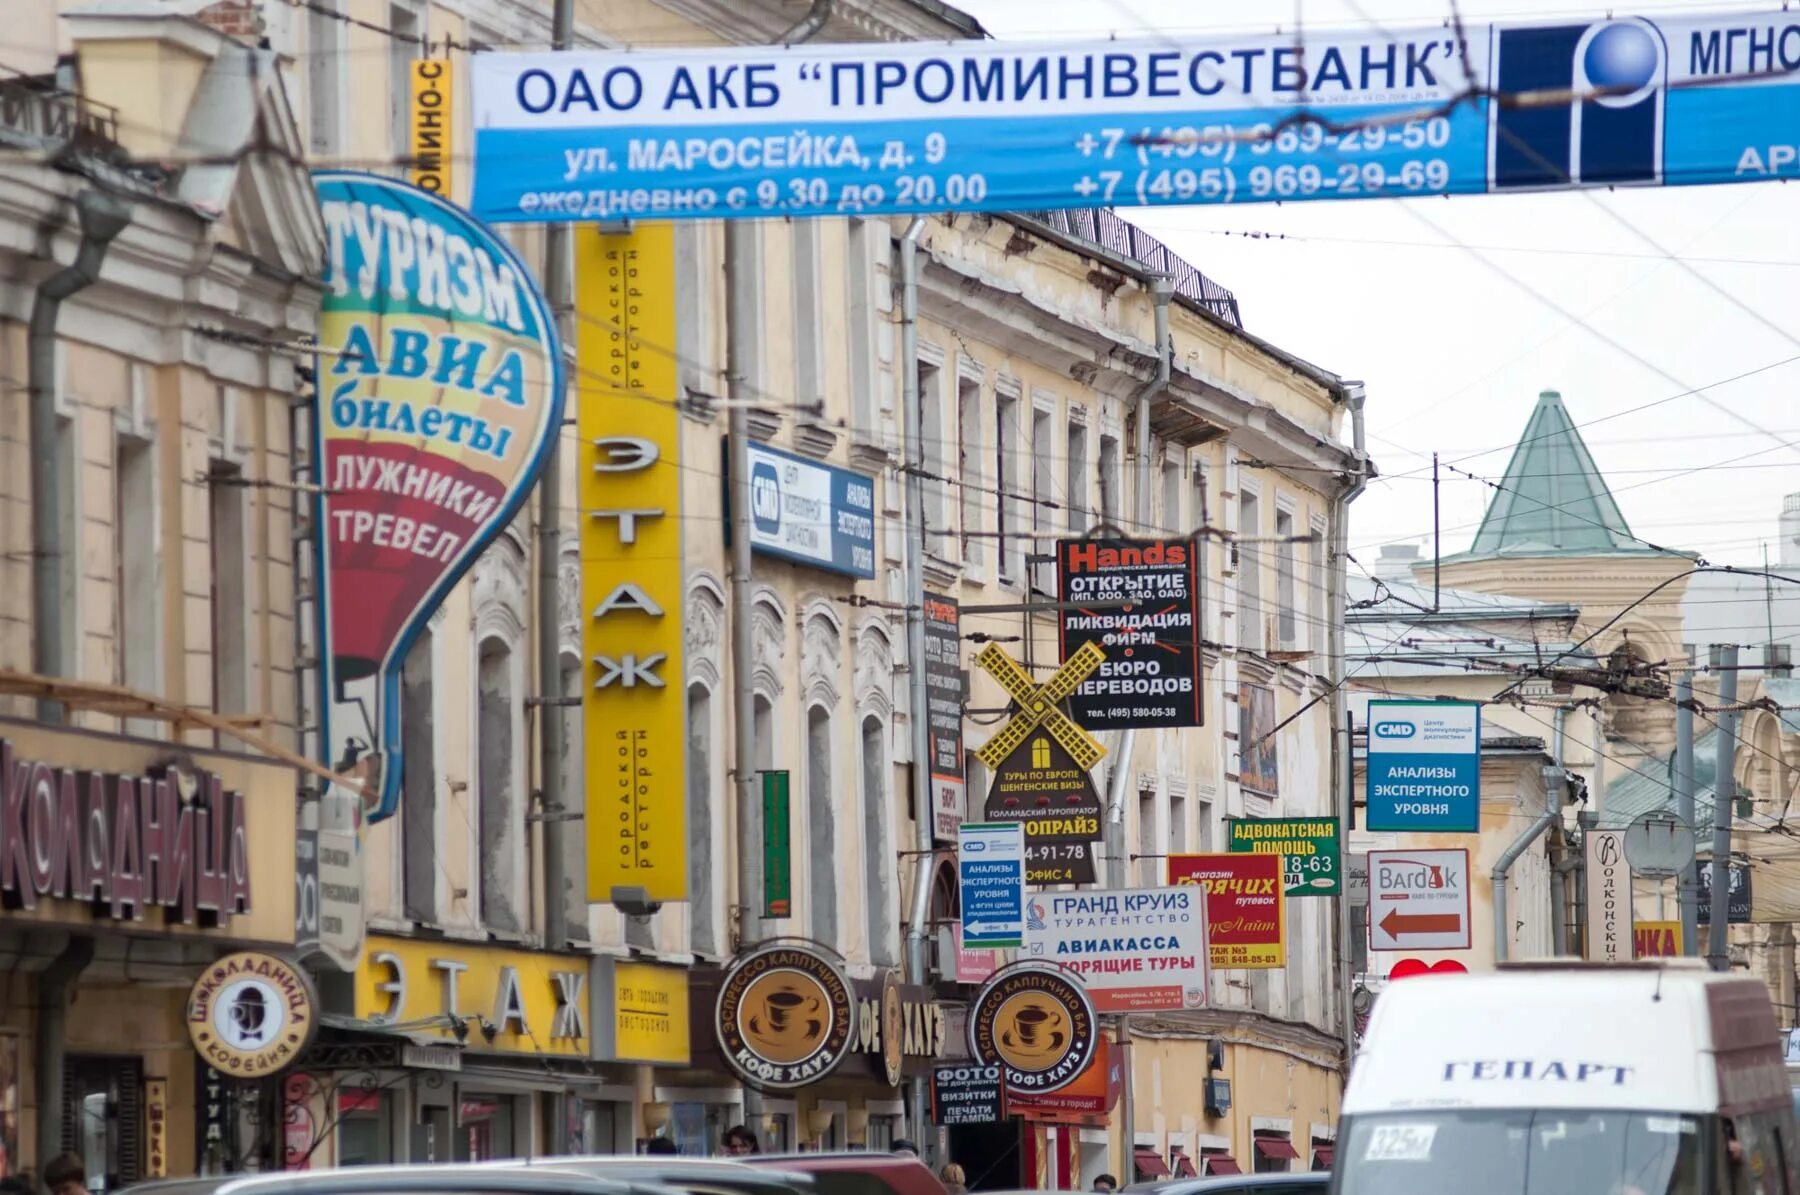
x: 656, y: 1145
x: 953, y: 1178
x: 739, y: 1141
x: 904, y: 1148
x: 65, y: 1175
x: 1106, y: 1184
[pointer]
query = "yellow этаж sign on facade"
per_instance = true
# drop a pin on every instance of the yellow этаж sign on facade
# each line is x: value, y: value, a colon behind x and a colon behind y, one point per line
x: 533, y: 1002
x: 650, y: 1014
x: 634, y: 707
x: 429, y: 121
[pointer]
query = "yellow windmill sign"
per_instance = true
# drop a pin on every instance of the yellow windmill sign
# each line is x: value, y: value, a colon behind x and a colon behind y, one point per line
x: 1040, y: 705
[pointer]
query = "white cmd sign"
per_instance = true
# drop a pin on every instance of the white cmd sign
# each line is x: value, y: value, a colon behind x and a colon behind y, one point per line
x: 1609, y: 935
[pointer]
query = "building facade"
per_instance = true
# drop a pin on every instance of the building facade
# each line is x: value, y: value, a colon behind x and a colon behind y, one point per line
x: 147, y: 648
x: 462, y: 1030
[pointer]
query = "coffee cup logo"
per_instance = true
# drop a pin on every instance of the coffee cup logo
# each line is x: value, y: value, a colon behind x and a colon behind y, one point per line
x: 784, y: 1014
x: 785, y: 1017
x: 1035, y: 1022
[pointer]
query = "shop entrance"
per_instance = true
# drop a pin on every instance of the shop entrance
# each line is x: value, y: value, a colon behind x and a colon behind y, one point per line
x: 103, y: 1117
x: 990, y: 1154
x: 486, y: 1128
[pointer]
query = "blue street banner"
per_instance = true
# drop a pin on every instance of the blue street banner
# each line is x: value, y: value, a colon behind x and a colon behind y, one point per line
x: 1424, y: 766
x: 1015, y: 126
x: 990, y: 872
x: 440, y: 385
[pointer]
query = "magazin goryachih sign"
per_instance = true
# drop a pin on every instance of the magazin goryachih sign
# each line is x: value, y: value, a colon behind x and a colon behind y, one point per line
x: 1308, y: 847
x: 811, y: 513
x: 1139, y: 601
x: 1424, y: 766
x: 772, y: 131
x: 440, y: 384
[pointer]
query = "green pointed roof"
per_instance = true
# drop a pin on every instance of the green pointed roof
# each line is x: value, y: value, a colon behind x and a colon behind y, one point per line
x: 1552, y: 499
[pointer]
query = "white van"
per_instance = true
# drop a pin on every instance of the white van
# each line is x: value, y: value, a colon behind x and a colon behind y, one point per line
x: 1567, y: 1079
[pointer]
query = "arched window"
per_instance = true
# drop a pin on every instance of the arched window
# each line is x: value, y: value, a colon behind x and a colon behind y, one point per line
x: 701, y: 868
x: 418, y: 781
x: 822, y: 818
x: 879, y: 890
x: 497, y: 798
x: 498, y: 866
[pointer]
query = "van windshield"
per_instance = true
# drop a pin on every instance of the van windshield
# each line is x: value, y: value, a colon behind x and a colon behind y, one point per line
x: 1523, y: 1152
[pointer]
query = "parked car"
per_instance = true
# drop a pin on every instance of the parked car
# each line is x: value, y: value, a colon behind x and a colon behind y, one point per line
x: 420, y: 1179
x: 857, y: 1173
x: 1240, y: 1184
x: 695, y: 1176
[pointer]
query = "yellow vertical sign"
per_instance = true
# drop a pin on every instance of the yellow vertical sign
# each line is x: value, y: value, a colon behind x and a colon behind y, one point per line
x: 430, y: 119
x: 634, y: 703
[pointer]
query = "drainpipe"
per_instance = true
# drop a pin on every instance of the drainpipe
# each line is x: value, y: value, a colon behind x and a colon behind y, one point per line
x: 102, y: 218
x: 1120, y: 781
x: 559, y: 284
x: 809, y: 25
x: 1554, y: 780
x: 1342, y: 749
x: 1114, y: 830
x: 53, y: 985
x: 915, y: 627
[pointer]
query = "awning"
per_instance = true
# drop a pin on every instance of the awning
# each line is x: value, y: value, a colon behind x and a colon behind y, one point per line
x: 1276, y: 1147
x: 1221, y: 1164
x: 1322, y: 1156
x: 1184, y: 1165
x: 1149, y: 1163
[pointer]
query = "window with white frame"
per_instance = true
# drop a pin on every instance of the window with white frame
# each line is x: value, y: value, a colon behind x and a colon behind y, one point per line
x: 1203, y: 822
x: 1075, y: 489
x: 809, y: 312
x: 1317, y: 557
x: 228, y: 539
x: 969, y: 469
x: 1178, y: 810
x: 934, y: 451
x: 1006, y: 471
x: 1286, y: 601
x: 1149, y: 866
x: 136, y: 575
x: 326, y: 81
x: 1110, y: 497
x: 1171, y: 498
x: 864, y: 326
x: 402, y: 49
x: 1249, y: 571
x: 1043, y: 472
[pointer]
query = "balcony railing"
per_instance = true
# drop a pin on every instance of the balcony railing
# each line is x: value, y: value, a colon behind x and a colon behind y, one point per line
x: 35, y: 114
x: 1107, y: 229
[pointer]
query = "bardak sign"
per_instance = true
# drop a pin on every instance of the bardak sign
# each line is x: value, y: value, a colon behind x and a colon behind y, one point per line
x: 1419, y: 900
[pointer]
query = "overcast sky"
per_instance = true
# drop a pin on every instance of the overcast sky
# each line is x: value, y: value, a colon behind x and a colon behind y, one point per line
x: 1454, y: 353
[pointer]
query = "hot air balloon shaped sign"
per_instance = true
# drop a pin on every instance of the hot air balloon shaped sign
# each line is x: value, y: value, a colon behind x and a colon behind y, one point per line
x: 440, y: 385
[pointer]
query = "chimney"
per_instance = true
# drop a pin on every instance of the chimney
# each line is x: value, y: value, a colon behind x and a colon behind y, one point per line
x: 241, y: 19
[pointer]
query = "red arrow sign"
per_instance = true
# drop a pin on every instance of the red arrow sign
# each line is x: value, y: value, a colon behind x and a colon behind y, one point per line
x: 1397, y: 923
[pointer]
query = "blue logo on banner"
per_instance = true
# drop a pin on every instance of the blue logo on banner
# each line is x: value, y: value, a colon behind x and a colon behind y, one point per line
x: 765, y: 498
x: 1424, y: 767
x: 1615, y: 136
